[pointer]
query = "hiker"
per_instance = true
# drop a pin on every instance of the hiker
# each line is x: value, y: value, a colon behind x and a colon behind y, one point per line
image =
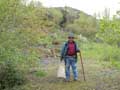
x: 69, y: 55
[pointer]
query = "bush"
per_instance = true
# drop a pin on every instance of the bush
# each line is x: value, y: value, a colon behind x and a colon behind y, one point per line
x: 101, y: 52
x: 113, y: 56
x: 110, y: 54
x: 10, y: 76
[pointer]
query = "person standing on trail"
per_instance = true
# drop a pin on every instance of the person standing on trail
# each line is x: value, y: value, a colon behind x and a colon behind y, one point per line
x: 69, y: 55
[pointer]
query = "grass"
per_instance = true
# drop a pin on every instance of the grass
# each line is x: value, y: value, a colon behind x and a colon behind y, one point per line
x: 97, y: 56
x: 101, y: 52
x: 98, y: 77
x: 40, y: 73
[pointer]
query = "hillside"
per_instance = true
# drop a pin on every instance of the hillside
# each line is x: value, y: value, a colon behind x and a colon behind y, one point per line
x: 71, y: 17
x: 31, y: 36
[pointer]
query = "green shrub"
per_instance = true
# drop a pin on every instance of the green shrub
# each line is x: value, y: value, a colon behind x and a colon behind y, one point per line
x: 110, y: 54
x: 101, y: 52
x: 10, y: 76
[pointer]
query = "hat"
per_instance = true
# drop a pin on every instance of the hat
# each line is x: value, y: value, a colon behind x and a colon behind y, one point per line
x: 70, y: 35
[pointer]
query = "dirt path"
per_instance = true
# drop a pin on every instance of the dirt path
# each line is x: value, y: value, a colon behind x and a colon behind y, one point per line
x: 99, y: 76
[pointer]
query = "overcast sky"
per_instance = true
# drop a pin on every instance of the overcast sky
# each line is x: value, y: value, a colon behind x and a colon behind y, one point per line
x: 89, y: 6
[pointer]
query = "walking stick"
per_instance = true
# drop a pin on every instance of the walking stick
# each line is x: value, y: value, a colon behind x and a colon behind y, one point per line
x: 82, y: 66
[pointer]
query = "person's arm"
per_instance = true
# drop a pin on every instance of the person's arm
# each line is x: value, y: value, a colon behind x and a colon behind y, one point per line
x: 77, y: 48
x: 62, y: 52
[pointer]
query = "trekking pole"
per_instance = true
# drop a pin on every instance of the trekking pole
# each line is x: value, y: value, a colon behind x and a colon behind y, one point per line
x: 82, y: 66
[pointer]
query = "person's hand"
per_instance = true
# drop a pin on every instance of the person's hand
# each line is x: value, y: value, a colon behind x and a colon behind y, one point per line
x: 61, y: 59
x: 78, y: 51
x: 75, y: 60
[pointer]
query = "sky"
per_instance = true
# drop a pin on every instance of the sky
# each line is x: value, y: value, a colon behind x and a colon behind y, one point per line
x: 88, y: 6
